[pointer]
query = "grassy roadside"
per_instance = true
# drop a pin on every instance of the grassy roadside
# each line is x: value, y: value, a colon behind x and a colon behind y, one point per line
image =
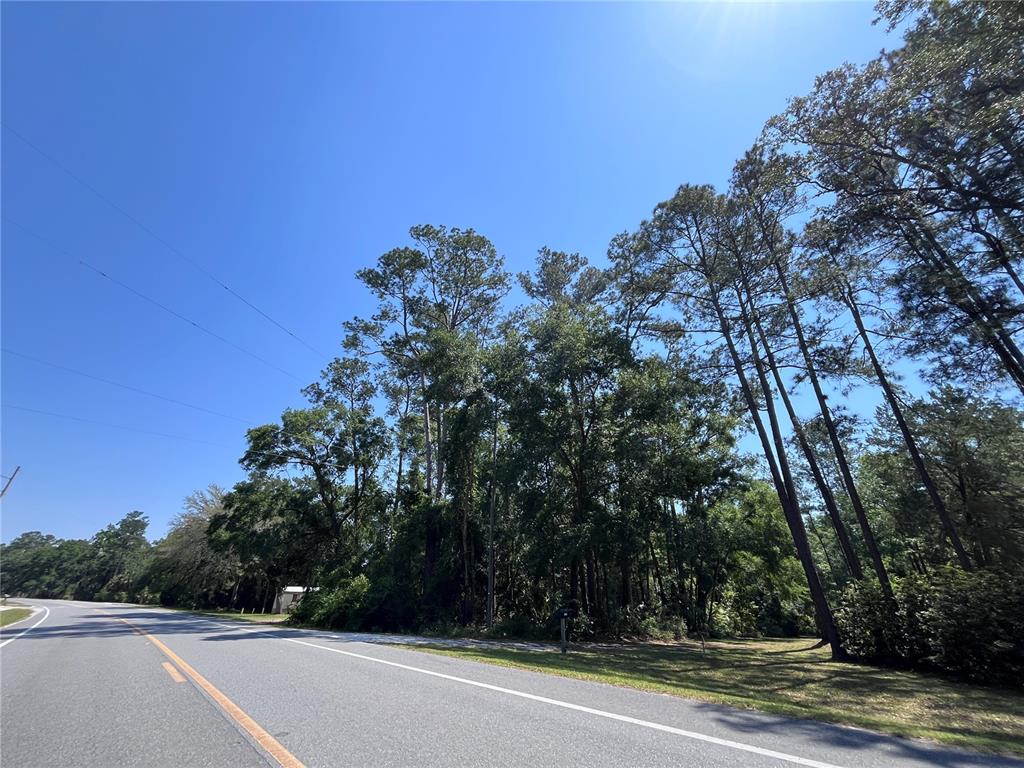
x: 13, y: 615
x: 255, y: 618
x: 791, y: 677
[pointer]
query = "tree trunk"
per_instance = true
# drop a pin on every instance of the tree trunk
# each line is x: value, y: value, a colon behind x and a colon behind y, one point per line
x: 845, y: 545
x: 908, y: 437
x: 657, y: 571
x: 824, y: 550
x: 965, y: 296
x: 427, y: 444
x: 442, y: 448
x: 789, y: 504
x: 837, y: 445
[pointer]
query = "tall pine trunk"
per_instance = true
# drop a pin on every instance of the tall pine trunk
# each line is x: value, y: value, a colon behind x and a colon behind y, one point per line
x: 833, y: 435
x: 842, y: 536
x: 790, y: 506
x: 850, y: 300
x: 964, y: 295
x: 427, y: 438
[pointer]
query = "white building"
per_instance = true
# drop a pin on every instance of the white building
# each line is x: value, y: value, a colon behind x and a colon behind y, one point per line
x: 288, y: 597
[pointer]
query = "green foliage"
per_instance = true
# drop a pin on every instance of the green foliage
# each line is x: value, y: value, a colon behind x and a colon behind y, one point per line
x: 342, y: 607
x: 970, y: 624
x: 974, y: 449
x: 873, y: 630
x: 187, y: 568
x: 975, y: 625
x: 582, y: 449
x: 920, y: 150
x: 110, y: 566
x: 763, y: 591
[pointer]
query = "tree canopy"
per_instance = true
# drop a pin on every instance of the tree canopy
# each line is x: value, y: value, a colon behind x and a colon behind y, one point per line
x: 672, y: 438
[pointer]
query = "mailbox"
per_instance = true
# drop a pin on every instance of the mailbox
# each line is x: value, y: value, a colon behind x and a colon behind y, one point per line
x: 563, y: 614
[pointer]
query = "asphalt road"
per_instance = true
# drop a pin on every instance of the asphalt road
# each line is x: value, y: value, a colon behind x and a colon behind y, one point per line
x: 116, y: 685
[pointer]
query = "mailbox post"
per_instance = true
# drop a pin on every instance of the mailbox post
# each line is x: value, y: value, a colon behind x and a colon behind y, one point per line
x: 563, y: 615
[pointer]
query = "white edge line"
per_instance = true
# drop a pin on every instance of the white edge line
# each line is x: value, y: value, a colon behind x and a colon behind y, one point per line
x: 553, y: 702
x: 46, y: 612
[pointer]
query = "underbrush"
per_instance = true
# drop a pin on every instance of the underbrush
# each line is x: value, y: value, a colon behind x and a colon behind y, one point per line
x: 967, y: 624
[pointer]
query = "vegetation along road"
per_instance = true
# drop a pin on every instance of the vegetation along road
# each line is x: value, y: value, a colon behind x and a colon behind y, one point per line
x: 784, y: 404
x: 89, y: 684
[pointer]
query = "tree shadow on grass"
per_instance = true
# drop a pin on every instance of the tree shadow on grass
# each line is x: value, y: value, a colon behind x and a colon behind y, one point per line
x: 809, y: 687
x: 845, y: 737
x: 736, y: 674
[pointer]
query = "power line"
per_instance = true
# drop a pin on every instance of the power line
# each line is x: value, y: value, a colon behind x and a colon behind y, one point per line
x: 154, y: 302
x: 108, y: 424
x: 291, y: 459
x: 192, y: 262
x: 205, y: 330
x: 122, y: 386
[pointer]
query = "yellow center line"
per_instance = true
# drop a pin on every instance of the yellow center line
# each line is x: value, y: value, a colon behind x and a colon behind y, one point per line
x: 175, y: 674
x: 259, y: 734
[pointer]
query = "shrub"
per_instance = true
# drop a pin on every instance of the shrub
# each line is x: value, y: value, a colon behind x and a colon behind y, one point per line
x: 760, y: 613
x: 970, y: 624
x: 521, y: 627
x: 868, y: 626
x: 632, y: 621
x: 147, y: 596
x: 340, y: 607
x: 975, y: 625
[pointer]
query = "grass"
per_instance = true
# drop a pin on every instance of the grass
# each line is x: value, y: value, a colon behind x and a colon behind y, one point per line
x: 794, y: 678
x: 14, y: 614
x: 255, y: 618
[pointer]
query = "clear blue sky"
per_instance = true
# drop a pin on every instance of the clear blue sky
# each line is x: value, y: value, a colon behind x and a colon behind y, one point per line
x: 284, y: 146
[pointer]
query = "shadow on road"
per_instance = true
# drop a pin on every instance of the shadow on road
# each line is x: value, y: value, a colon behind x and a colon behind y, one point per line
x: 94, y: 624
x: 846, y: 737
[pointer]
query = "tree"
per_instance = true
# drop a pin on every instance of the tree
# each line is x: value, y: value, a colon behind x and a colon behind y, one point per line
x: 186, y: 569
x: 841, y: 271
x: 765, y: 184
x: 922, y: 148
x: 330, y: 441
x: 696, y: 239
x: 118, y: 559
x: 972, y: 445
x: 275, y: 529
x: 438, y: 302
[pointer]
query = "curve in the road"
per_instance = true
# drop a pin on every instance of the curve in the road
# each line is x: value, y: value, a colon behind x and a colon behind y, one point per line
x: 46, y: 612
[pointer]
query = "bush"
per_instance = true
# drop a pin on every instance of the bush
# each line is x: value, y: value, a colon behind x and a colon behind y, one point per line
x: 521, y: 627
x: 632, y: 621
x: 970, y: 624
x: 868, y: 626
x: 147, y: 597
x: 341, y: 607
x: 976, y: 626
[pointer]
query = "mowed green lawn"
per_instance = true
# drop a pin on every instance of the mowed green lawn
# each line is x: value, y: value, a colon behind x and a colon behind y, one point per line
x: 12, y: 615
x: 255, y: 618
x: 791, y: 677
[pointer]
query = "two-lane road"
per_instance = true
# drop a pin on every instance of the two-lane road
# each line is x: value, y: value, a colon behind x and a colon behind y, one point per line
x: 115, y: 685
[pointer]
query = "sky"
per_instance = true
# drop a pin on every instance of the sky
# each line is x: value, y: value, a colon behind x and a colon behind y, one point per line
x: 195, y: 153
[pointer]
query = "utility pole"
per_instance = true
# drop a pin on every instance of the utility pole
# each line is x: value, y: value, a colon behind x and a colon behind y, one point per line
x: 490, y: 526
x: 11, y: 480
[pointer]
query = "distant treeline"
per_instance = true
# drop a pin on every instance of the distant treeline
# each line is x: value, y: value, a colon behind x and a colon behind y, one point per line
x: 465, y: 461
